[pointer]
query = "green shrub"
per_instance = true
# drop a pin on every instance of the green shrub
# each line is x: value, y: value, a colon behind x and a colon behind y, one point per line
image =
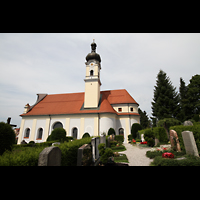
x: 134, y: 129
x: 189, y: 161
x: 21, y: 157
x: 57, y: 134
x: 119, y: 138
x: 195, y: 129
x: 7, y: 137
x: 86, y: 135
x: 160, y: 134
x: 130, y: 137
x: 111, y: 131
x: 101, y: 148
x: 69, y: 151
x: 149, y: 137
x: 108, y: 153
x: 113, y: 143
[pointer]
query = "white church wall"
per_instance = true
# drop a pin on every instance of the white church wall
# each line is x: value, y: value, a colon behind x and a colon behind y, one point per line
x: 55, y: 119
x: 27, y: 124
x: 89, y: 126
x: 107, y: 121
x: 74, y: 122
x: 40, y: 124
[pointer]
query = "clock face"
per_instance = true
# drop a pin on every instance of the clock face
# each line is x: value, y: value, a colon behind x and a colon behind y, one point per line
x: 92, y: 64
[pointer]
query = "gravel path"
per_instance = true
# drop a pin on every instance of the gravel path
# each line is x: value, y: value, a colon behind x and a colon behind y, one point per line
x: 137, y: 155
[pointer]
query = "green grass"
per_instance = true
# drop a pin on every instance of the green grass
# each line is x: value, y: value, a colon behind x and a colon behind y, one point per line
x: 118, y: 149
x: 122, y: 158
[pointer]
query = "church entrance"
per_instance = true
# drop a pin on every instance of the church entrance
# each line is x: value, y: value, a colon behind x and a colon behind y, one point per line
x: 74, y: 133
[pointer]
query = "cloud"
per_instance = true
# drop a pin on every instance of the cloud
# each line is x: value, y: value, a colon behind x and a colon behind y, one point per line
x: 55, y: 63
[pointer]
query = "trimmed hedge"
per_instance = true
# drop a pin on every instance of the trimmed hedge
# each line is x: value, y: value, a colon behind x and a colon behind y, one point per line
x: 160, y: 134
x: 195, y: 129
x: 69, y: 151
x: 189, y: 161
x: 119, y: 138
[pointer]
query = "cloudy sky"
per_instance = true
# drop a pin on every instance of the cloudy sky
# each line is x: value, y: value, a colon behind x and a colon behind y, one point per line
x: 32, y: 63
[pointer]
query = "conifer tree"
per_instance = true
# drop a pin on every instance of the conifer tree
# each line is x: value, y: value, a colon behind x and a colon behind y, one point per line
x: 165, y: 101
x: 144, y: 120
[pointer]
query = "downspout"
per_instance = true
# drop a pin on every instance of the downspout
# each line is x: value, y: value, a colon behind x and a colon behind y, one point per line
x: 49, y: 124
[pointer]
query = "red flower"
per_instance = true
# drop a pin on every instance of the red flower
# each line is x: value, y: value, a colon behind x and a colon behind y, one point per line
x: 145, y: 142
x: 133, y: 141
x: 168, y: 155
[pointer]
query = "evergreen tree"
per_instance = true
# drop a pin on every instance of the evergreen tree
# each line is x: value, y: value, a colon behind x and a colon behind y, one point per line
x: 165, y: 101
x: 183, y: 102
x: 144, y: 120
x: 194, y: 95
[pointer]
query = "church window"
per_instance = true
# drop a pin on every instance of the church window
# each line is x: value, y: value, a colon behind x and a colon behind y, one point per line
x: 91, y: 72
x: 119, y: 109
x: 74, y: 133
x: 57, y: 125
x: 39, y: 134
x: 27, y: 133
x: 121, y: 131
x: 131, y: 109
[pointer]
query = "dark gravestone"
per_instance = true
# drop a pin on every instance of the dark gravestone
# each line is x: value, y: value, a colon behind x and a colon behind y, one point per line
x: 50, y: 156
x: 80, y: 154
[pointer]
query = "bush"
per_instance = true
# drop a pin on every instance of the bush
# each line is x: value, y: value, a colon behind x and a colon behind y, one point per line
x: 69, y: 151
x: 7, y: 137
x: 119, y: 138
x: 111, y: 131
x: 107, y: 153
x: 86, y: 135
x: 160, y: 134
x: 189, y: 161
x: 134, y: 129
x: 149, y: 137
x: 21, y: 157
x: 101, y: 148
x: 130, y: 137
x: 195, y: 129
x: 57, y: 134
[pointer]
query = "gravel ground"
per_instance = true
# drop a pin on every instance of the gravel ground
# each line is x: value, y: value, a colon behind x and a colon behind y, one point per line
x: 137, y: 155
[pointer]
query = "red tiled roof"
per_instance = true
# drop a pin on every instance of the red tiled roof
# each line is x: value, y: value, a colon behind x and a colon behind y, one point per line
x: 71, y: 103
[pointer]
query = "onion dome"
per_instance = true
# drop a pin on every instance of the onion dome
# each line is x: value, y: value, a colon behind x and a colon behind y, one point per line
x: 93, y: 55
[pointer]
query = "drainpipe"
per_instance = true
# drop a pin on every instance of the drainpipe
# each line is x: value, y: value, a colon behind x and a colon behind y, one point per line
x: 49, y: 124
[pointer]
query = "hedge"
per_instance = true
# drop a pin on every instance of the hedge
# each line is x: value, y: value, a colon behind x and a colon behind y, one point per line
x: 195, y: 129
x: 69, y: 151
x: 160, y: 134
x: 25, y: 155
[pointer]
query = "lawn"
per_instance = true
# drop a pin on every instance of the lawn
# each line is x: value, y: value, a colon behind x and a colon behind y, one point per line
x: 121, y: 157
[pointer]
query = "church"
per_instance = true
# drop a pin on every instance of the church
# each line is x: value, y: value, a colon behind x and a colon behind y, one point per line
x: 93, y: 111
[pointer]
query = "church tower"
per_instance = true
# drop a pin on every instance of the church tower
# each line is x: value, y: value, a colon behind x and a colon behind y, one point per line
x: 92, y: 78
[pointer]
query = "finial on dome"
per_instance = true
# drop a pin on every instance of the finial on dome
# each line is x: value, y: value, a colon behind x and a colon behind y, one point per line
x: 93, y: 46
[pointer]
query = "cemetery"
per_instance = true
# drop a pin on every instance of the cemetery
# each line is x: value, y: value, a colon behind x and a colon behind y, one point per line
x: 182, y: 149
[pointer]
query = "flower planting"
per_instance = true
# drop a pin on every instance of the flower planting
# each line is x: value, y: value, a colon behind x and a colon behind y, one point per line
x: 168, y: 155
x: 145, y: 142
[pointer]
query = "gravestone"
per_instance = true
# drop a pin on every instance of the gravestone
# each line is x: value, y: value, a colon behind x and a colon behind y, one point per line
x: 95, y: 152
x: 80, y: 153
x: 187, y: 123
x: 174, y: 135
x: 50, y: 156
x: 103, y: 139
x: 156, y: 141
x: 189, y: 143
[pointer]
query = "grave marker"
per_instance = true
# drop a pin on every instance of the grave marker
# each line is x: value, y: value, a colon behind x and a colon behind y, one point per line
x: 189, y: 142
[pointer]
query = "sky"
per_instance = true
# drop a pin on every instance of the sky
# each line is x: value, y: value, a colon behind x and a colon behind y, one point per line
x: 54, y: 63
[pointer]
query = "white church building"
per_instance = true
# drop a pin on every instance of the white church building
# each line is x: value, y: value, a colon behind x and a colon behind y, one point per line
x: 93, y: 111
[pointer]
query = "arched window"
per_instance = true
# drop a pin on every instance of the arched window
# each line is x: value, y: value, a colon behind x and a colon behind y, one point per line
x: 27, y: 133
x: 121, y: 131
x: 91, y: 72
x: 57, y: 125
x: 39, y: 134
x: 74, y: 133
